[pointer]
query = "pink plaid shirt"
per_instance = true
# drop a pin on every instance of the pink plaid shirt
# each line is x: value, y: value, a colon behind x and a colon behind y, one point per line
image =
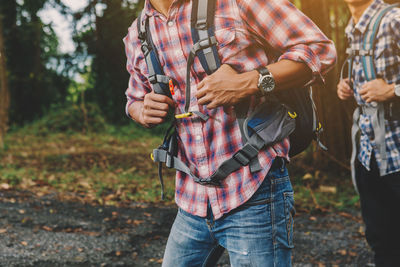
x: 241, y: 27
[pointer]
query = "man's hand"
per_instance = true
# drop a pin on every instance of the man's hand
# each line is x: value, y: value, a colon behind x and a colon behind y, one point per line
x: 377, y: 90
x: 153, y: 110
x: 344, y: 90
x: 226, y: 87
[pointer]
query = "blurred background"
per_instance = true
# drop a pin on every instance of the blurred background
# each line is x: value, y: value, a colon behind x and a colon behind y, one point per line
x: 62, y: 121
x: 77, y: 185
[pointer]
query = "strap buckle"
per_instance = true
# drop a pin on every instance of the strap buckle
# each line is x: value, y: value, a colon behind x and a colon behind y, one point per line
x: 184, y: 115
x: 246, y: 154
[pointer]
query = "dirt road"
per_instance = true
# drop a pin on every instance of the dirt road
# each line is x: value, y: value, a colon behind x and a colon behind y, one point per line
x: 49, y: 231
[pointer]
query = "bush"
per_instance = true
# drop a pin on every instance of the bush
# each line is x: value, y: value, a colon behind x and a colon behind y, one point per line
x: 69, y: 118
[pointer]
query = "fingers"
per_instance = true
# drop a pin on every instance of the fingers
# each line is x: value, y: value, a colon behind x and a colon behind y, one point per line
x: 155, y: 108
x: 344, y: 90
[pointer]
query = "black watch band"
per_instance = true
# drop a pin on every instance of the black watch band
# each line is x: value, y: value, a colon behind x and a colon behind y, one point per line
x: 266, y: 82
x: 263, y: 71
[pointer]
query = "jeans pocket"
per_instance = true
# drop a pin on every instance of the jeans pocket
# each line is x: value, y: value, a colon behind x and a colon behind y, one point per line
x: 289, y: 214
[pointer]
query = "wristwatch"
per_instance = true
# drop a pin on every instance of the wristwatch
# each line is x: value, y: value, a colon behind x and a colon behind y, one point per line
x: 266, y: 82
x: 397, y: 90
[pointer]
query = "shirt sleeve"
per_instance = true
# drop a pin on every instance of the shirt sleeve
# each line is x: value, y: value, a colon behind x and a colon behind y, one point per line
x: 287, y: 30
x: 394, y: 18
x: 138, y: 85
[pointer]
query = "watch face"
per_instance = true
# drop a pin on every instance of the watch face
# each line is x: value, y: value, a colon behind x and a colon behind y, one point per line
x: 397, y: 90
x: 267, y: 84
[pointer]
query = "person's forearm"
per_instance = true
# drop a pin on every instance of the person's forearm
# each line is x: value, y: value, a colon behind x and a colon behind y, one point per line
x: 289, y: 74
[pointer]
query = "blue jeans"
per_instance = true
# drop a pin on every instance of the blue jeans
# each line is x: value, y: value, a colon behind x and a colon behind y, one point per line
x: 258, y: 233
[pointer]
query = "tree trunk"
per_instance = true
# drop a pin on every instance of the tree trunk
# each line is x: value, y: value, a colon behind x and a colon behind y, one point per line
x: 4, y: 90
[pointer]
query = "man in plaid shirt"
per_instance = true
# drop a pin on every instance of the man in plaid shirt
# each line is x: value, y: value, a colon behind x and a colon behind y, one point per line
x: 250, y: 215
x: 378, y: 185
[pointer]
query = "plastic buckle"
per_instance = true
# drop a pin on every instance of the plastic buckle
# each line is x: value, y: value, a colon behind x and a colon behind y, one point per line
x: 208, y: 181
x: 241, y: 157
x: 153, y: 79
x: 292, y: 115
x: 184, y: 115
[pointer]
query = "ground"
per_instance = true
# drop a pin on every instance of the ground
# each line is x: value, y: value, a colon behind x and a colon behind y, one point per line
x: 53, y: 231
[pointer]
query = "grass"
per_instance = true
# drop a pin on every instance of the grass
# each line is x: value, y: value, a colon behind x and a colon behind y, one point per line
x: 113, y: 167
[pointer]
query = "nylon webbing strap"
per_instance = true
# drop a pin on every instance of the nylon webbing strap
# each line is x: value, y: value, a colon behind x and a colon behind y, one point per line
x: 202, y: 24
x: 241, y: 158
x: 378, y: 124
x: 196, y: 47
x: 368, y: 60
x: 204, y: 42
x: 156, y: 75
x: 354, y: 133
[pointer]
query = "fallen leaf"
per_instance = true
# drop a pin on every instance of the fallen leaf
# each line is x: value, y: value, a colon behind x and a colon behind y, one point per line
x: 146, y: 214
x: 24, y: 243
x: 46, y: 228
x: 3, y: 231
x: 327, y: 189
x: 84, y: 184
x: 352, y: 253
x: 118, y: 253
x: 21, y: 211
x: 312, y: 218
x: 343, y: 252
x: 5, y: 186
x: 109, y: 197
x: 307, y: 176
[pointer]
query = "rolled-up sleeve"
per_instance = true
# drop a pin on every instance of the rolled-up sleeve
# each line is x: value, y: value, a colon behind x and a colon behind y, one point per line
x: 138, y: 85
x: 287, y: 30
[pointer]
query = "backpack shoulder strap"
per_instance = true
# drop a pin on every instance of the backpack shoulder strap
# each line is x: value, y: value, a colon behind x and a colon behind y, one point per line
x: 369, y: 43
x: 204, y: 41
x: 202, y: 28
x: 157, y: 78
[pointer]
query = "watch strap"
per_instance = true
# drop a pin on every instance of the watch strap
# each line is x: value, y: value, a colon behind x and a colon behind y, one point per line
x: 263, y: 71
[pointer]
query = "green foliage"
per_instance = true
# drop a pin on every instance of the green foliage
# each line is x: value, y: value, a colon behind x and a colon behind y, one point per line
x: 32, y: 60
x: 101, y: 41
x: 69, y: 118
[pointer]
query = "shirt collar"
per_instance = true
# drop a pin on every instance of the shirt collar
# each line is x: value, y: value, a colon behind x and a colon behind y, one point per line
x: 150, y: 11
x: 362, y: 24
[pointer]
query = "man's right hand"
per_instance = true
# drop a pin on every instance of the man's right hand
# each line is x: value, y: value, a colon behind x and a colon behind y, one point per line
x: 344, y: 90
x: 152, y: 111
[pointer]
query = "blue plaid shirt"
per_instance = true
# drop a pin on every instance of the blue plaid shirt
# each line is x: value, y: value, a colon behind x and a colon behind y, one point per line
x: 387, y: 61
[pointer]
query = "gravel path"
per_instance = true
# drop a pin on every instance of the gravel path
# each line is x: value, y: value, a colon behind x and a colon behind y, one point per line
x: 47, y: 231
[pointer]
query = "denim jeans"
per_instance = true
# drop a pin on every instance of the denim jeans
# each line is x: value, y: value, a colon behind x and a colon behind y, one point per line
x: 380, y: 208
x: 258, y: 233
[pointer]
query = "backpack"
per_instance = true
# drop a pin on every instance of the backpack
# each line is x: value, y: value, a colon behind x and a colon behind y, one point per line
x: 378, y: 111
x: 288, y: 113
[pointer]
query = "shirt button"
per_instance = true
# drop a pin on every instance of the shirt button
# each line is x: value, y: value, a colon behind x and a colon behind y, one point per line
x: 203, y: 168
x: 170, y: 23
x: 178, y: 53
x: 198, y: 137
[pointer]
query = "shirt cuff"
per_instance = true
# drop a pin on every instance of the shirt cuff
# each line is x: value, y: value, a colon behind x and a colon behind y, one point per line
x: 304, y: 54
x: 128, y: 104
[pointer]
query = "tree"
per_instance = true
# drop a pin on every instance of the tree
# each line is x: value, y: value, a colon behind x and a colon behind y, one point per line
x: 31, y: 50
x: 100, y: 40
x: 4, y: 91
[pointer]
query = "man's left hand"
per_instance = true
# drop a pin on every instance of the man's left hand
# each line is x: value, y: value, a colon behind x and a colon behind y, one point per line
x: 226, y: 87
x: 377, y: 90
